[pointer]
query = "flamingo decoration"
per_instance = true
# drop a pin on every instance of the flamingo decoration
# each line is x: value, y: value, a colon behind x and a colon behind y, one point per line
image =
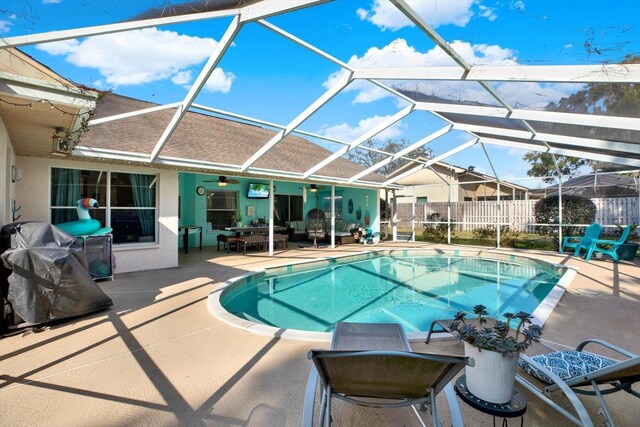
x: 85, y: 225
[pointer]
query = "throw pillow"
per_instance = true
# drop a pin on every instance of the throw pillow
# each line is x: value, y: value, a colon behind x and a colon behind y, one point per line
x: 566, y: 364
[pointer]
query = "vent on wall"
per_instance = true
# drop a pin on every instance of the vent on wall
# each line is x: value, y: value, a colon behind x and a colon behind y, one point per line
x: 62, y: 145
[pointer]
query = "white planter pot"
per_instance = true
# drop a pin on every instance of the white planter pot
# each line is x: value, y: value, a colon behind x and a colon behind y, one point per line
x: 493, y: 376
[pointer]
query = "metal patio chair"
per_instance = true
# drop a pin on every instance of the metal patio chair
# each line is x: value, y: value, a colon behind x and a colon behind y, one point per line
x: 582, y: 372
x: 374, y: 361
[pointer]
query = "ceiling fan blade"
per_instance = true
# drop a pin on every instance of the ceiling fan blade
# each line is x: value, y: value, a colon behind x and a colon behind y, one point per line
x: 233, y: 181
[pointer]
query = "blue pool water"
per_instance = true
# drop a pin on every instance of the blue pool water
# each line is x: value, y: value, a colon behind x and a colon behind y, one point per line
x: 410, y: 290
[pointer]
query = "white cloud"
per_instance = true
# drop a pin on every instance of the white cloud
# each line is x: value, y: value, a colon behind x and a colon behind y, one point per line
x: 347, y: 133
x: 568, y: 46
x: 182, y: 77
x: 518, y: 5
x: 487, y: 12
x: 219, y: 81
x: 118, y: 58
x: 5, y: 26
x: 535, y: 95
x: 399, y: 54
x: 385, y: 15
x: 51, y: 1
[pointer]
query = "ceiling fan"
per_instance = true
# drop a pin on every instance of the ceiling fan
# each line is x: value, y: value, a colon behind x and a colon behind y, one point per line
x: 223, y: 181
x: 313, y: 187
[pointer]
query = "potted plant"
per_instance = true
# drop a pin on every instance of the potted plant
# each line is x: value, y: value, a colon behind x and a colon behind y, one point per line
x: 627, y: 251
x: 495, y: 349
x: 236, y: 219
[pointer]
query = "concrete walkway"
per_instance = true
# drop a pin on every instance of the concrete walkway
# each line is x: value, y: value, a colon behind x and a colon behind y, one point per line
x: 158, y: 357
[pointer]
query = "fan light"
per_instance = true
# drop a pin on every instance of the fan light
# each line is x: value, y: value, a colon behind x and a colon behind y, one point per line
x: 313, y: 188
x: 222, y: 181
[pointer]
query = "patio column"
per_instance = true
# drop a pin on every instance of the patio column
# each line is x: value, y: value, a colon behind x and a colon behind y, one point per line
x: 333, y: 216
x: 498, y: 219
x: 413, y: 216
x: 449, y: 214
x: 560, y: 213
x: 394, y: 213
x: 271, y: 199
x: 387, y: 213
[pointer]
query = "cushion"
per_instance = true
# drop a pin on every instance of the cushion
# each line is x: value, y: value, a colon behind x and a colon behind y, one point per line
x: 566, y: 364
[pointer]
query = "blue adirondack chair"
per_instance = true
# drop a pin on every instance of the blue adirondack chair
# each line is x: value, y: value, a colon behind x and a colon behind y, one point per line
x: 593, y: 247
x: 582, y: 242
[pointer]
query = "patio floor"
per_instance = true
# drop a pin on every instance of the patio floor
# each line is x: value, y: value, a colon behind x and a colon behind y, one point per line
x: 158, y: 357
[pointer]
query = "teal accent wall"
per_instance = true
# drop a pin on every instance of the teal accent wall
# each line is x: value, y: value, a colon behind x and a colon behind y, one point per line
x: 193, y: 206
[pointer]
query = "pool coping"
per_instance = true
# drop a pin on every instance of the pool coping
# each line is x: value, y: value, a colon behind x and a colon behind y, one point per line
x: 540, y: 314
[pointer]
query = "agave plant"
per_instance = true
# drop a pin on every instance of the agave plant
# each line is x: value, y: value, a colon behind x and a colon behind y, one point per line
x: 498, y: 337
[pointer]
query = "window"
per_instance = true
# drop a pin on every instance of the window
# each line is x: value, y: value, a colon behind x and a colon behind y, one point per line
x: 130, y: 209
x: 221, y: 206
x: 326, y: 206
x: 422, y: 199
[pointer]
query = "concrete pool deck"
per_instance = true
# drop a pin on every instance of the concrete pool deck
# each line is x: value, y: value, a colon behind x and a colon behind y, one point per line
x: 159, y: 357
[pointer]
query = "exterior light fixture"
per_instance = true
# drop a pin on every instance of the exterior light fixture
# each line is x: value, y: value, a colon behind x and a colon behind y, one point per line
x: 313, y: 188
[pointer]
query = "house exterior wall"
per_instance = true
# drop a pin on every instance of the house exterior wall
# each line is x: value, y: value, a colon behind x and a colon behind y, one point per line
x: 7, y: 188
x: 429, y: 185
x: 193, y: 207
x: 33, y: 194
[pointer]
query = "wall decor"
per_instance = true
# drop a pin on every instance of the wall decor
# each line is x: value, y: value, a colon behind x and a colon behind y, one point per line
x: 250, y: 210
x: 350, y: 206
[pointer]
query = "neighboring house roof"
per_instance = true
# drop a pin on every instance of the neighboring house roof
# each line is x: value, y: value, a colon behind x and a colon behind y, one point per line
x: 610, y: 185
x: 208, y: 139
x: 459, y: 171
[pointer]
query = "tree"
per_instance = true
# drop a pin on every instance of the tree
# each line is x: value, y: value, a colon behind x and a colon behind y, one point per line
x: 392, y: 146
x: 598, y: 98
x: 542, y: 165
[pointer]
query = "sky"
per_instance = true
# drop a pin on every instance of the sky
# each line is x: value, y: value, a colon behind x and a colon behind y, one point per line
x: 266, y: 76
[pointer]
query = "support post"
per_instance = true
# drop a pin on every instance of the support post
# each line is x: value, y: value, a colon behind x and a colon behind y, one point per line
x: 333, y: 216
x: 413, y: 216
x: 394, y: 209
x: 449, y: 215
x: 560, y: 213
x: 499, y: 219
x: 271, y: 204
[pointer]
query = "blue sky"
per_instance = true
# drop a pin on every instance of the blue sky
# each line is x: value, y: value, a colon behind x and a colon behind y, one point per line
x: 268, y: 77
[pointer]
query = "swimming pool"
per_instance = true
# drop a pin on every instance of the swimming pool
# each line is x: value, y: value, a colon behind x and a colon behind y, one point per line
x: 410, y: 288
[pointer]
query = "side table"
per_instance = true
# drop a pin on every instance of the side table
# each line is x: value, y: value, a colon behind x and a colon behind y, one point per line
x: 516, y: 407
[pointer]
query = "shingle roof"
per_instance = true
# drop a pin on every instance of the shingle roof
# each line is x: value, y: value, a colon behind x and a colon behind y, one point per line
x: 207, y: 138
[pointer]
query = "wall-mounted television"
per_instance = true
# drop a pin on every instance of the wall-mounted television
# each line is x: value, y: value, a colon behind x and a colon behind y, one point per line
x: 258, y: 191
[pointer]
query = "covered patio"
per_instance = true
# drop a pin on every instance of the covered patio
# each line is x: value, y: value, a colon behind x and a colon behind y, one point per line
x: 122, y: 364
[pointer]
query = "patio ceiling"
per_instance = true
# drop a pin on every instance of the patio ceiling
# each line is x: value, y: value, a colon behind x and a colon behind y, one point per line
x: 591, y: 136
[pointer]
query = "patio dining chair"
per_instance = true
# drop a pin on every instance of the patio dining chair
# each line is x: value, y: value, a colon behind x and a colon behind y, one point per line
x: 582, y: 372
x: 578, y: 243
x: 372, y: 365
x: 613, y: 244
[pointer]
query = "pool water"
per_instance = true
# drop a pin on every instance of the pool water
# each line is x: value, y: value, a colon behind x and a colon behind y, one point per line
x: 410, y: 290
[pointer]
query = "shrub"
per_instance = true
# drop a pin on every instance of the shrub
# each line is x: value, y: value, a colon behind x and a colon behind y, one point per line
x: 575, y: 210
x: 435, y: 232
x: 507, y: 236
x: 488, y: 232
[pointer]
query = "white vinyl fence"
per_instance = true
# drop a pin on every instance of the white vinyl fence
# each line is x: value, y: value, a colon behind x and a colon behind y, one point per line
x: 517, y: 214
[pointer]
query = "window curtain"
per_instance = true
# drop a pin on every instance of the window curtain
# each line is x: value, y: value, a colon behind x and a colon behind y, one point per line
x: 66, y: 193
x: 143, y: 197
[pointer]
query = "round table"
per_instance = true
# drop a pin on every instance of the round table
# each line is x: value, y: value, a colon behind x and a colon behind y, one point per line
x: 516, y: 407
